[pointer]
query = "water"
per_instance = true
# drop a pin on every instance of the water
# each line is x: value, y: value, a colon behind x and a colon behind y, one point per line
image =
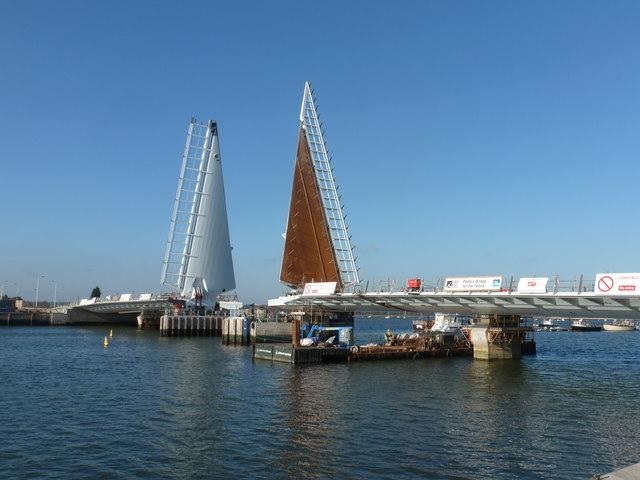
x: 188, y: 408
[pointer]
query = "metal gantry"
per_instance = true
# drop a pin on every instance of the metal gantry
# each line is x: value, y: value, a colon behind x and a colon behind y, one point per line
x: 333, y: 209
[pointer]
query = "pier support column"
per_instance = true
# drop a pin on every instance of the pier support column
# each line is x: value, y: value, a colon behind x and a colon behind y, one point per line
x: 497, y: 337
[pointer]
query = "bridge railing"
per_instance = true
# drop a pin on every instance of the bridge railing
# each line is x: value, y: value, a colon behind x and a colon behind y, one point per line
x: 123, y: 297
x: 555, y: 284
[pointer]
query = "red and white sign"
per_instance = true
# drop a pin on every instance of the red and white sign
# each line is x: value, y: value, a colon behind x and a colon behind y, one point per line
x: 618, y: 284
x: 320, y: 288
x: 533, y: 285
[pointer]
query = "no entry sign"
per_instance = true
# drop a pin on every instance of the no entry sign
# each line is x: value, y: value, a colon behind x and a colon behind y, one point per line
x: 605, y: 283
x: 618, y: 283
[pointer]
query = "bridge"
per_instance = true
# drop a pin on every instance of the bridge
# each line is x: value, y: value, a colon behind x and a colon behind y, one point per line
x: 615, y: 296
x: 318, y: 251
x: 122, y: 308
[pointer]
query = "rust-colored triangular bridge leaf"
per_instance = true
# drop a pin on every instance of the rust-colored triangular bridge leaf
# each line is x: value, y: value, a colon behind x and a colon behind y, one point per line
x: 308, y: 253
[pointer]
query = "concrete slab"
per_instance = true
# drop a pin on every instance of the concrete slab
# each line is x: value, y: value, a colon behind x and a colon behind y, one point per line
x: 631, y: 472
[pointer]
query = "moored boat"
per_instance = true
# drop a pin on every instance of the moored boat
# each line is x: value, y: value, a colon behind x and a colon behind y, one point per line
x: 580, y: 325
x: 623, y: 326
x: 547, y: 325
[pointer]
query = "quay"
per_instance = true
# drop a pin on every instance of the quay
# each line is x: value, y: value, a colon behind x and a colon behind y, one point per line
x: 25, y: 318
x: 632, y: 472
x: 190, y: 326
x: 233, y: 330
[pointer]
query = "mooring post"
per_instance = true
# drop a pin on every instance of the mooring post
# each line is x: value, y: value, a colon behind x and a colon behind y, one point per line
x: 295, y: 332
x: 235, y: 331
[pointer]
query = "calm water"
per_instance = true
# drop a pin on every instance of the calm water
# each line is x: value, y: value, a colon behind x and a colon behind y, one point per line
x: 152, y: 407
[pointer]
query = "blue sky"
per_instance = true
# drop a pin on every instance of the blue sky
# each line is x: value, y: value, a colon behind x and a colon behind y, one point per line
x: 468, y: 137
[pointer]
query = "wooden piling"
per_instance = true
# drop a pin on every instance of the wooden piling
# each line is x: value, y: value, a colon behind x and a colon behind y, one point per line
x: 295, y: 332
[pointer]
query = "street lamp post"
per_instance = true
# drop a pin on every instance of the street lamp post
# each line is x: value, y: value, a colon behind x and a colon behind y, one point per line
x: 38, y: 286
x: 55, y: 292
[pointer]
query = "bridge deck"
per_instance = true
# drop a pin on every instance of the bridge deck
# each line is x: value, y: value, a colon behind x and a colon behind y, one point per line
x: 561, y: 304
x: 131, y: 306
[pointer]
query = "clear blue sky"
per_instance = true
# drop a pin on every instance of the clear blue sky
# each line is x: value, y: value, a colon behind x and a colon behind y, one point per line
x: 468, y: 137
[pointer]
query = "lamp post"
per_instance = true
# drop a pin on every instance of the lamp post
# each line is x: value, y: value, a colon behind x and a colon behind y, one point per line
x: 38, y: 287
x: 55, y: 292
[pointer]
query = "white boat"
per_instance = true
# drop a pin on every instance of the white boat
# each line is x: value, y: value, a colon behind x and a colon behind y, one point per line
x: 580, y: 325
x: 623, y: 326
x: 548, y: 325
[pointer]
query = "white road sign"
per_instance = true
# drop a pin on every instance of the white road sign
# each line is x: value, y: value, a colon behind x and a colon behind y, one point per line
x: 472, y: 284
x: 618, y: 284
x: 320, y: 288
x: 533, y: 285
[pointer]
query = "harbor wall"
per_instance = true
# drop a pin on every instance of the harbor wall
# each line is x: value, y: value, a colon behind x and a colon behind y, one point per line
x: 24, y: 319
x: 270, y: 332
x: 235, y: 330
x: 191, y: 325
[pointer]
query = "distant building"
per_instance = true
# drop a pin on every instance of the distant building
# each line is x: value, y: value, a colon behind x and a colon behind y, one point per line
x: 11, y: 304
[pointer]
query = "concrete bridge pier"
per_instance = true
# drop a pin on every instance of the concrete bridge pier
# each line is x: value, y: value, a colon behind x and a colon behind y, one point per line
x: 501, y: 337
x: 148, y: 319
